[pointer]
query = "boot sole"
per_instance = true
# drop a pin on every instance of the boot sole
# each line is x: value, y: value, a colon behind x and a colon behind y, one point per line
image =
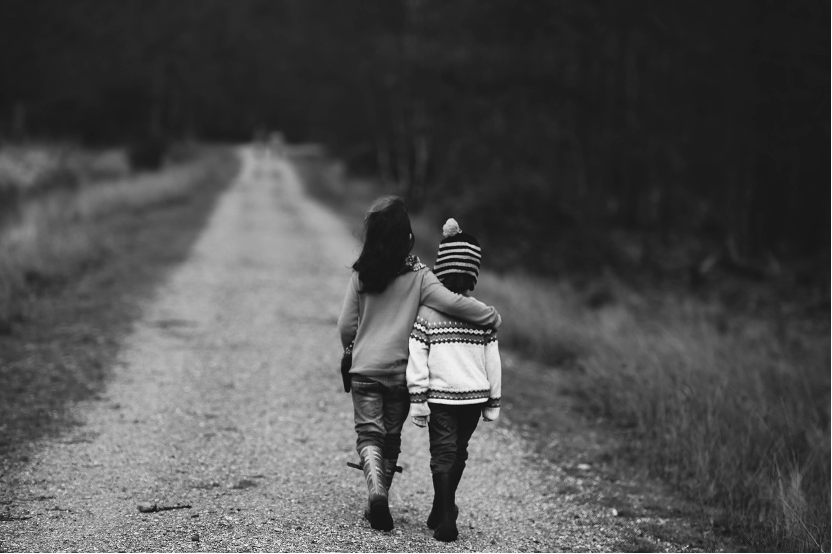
x: 380, y: 517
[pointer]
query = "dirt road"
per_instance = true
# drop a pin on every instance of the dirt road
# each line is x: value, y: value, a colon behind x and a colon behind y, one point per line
x: 226, y: 399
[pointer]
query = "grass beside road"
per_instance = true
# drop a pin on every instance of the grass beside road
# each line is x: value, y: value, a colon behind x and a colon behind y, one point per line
x: 59, y: 233
x: 729, y: 406
x: 75, y: 269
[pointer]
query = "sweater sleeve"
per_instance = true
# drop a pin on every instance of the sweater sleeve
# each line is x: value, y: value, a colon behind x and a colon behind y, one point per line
x: 348, y: 320
x: 418, y: 373
x: 436, y: 296
x: 494, y: 371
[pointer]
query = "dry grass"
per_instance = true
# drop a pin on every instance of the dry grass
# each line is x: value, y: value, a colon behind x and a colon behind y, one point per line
x: 30, y: 166
x: 735, y: 413
x: 52, y: 235
x: 731, y: 407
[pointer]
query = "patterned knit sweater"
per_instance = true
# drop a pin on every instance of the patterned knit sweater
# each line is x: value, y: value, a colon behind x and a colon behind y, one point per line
x: 452, y: 362
x: 379, y: 323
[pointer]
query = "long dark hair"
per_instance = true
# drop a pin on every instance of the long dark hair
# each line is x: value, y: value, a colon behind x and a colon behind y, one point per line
x: 388, y: 239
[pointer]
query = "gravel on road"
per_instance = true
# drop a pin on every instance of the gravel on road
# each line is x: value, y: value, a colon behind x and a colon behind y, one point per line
x: 226, y: 406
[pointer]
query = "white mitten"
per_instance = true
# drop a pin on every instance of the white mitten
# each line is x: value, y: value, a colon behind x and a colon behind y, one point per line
x: 490, y: 414
x: 419, y: 412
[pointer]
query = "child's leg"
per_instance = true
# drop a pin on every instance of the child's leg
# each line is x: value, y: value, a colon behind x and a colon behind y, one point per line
x: 443, y: 431
x: 368, y: 404
x: 468, y: 417
x: 396, y: 408
x: 443, y: 427
x: 465, y: 418
x: 368, y: 411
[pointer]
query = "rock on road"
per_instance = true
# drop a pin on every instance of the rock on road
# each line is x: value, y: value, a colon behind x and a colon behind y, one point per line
x: 226, y: 398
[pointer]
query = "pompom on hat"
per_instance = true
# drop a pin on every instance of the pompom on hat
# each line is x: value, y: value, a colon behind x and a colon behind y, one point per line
x: 459, y: 252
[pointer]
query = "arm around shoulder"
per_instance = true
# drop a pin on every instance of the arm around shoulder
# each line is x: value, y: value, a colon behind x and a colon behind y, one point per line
x: 436, y: 296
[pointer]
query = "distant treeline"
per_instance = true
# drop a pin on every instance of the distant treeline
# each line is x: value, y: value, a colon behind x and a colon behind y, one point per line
x: 551, y: 127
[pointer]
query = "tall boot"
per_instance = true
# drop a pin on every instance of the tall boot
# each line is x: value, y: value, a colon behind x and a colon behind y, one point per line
x: 456, y: 477
x: 389, y: 472
x: 373, y: 466
x: 446, y: 531
x: 436, y: 511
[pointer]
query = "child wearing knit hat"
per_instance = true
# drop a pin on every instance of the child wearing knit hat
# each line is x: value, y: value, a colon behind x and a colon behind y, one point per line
x: 385, y: 291
x: 453, y: 376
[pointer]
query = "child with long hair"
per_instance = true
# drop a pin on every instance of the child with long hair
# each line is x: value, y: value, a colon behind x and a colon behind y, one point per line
x: 384, y: 293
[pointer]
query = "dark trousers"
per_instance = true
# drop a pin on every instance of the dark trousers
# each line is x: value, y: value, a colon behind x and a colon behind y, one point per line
x: 451, y: 427
x: 380, y: 410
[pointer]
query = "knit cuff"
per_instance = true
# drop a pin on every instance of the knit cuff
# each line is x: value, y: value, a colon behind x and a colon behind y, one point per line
x: 419, y: 409
x: 490, y: 414
x: 418, y: 397
x: 492, y: 403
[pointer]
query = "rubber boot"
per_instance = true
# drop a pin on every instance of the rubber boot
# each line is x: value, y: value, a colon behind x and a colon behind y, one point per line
x: 456, y: 477
x: 436, y: 511
x: 373, y: 465
x: 389, y: 472
x: 446, y: 531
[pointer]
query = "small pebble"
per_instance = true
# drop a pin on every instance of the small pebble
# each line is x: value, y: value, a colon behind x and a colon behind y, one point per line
x: 146, y: 507
x: 195, y: 537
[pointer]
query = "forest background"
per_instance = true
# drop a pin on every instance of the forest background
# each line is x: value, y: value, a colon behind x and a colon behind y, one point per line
x: 653, y: 173
x: 682, y: 130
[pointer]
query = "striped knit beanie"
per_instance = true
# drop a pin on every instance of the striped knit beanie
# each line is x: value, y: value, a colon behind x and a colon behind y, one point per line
x: 458, y: 252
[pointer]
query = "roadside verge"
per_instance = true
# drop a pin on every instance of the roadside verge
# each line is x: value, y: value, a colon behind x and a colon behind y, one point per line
x: 74, y: 278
